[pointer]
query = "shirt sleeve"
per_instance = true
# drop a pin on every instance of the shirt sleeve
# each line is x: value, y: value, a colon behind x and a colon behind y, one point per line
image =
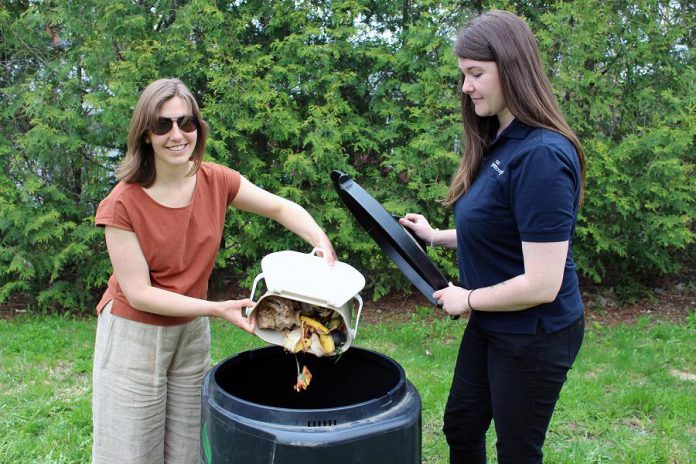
x: 112, y: 212
x: 233, y: 180
x: 544, y: 194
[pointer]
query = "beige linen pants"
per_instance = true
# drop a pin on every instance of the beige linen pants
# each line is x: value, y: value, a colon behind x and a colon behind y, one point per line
x: 146, y: 399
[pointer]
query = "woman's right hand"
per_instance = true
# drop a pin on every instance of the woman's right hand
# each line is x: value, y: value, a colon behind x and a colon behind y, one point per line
x: 233, y: 311
x: 419, y: 225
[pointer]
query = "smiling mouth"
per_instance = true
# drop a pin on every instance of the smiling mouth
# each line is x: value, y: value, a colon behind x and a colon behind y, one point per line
x: 178, y: 147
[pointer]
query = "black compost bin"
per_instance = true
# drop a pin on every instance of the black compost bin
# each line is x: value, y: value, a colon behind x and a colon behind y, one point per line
x: 359, y: 408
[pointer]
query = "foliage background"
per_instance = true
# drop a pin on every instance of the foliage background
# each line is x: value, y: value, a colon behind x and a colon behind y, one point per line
x: 294, y: 89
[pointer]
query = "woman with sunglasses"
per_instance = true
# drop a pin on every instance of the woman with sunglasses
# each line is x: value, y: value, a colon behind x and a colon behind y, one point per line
x: 515, y: 198
x: 163, y: 226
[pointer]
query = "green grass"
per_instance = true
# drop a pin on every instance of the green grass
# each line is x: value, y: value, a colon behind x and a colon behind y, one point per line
x: 631, y: 397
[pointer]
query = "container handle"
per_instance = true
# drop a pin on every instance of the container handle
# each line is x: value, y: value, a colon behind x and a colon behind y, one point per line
x: 357, y: 318
x: 253, y: 292
x: 315, y: 250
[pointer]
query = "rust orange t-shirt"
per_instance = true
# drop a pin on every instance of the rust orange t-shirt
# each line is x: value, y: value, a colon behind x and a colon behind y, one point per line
x: 179, y: 244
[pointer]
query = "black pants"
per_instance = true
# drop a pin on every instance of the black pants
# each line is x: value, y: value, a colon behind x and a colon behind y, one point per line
x: 514, y: 379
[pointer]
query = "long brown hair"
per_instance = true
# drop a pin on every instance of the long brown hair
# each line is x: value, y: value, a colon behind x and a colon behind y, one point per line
x: 138, y: 166
x: 504, y: 38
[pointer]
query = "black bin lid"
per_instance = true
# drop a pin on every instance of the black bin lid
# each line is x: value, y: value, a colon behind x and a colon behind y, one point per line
x: 396, y: 241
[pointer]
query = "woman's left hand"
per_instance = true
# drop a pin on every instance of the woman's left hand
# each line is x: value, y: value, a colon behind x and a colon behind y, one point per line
x: 453, y: 299
x: 327, y: 248
x: 233, y: 311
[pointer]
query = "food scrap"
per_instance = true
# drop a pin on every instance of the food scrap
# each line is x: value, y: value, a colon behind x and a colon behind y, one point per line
x: 278, y: 313
x: 303, y: 378
x: 307, y: 328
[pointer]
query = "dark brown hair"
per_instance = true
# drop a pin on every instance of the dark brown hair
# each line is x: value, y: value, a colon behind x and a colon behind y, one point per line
x: 138, y: 166
x: 505, y: 39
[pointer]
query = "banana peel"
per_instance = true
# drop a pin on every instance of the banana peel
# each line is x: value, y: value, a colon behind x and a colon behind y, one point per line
x: 316, y: 325
x: 312, y: 336
x: 327, y: 343
x: 315, y: 346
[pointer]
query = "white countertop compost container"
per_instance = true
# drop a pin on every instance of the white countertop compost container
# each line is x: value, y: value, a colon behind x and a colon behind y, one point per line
x: 308, y: 278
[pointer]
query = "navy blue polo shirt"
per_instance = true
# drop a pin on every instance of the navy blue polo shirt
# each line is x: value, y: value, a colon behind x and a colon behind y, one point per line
x: 527, y: 190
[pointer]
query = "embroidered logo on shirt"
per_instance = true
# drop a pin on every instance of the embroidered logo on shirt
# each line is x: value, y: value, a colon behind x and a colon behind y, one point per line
x: 496, y: 166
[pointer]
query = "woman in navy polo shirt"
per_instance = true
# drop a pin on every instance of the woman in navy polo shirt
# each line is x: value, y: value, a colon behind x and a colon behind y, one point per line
x: 515, y: 196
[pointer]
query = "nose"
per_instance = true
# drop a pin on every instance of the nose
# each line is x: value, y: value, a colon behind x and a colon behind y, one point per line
x: 467, y: 86
x: 175, y: 132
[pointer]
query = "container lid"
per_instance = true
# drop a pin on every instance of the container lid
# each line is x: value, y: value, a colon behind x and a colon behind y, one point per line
x: 309, y: 277
x: 395, y: 240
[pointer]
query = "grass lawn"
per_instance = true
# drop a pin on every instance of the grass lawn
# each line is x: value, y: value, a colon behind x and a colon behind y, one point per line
x: 631, y: 397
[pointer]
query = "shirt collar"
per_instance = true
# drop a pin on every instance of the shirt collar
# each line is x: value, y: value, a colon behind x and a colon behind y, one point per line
x: 515, y: 130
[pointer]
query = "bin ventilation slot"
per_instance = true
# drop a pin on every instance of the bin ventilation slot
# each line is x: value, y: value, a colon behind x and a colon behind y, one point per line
x: 321, y: 423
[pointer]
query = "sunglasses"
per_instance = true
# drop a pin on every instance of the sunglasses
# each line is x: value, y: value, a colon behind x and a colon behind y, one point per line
x: 185, y: 123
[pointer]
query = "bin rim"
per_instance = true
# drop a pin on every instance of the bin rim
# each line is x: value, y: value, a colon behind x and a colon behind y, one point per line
x: 230, y: 403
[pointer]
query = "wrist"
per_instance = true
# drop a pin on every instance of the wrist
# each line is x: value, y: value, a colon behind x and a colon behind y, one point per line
x: 216, y: 309
x: 432, y: 237
x: 468, y: 300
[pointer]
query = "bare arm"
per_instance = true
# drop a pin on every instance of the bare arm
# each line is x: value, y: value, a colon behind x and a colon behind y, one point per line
x: 445, y: 238
x: 291, y: 215
x: 543, y: 275
x: 423, y: 230
x: 133, y: 275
